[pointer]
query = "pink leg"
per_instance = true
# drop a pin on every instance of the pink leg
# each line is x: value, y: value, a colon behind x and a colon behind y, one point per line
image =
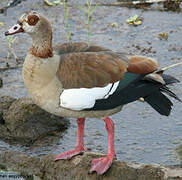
x: 101, y: 165
x: 79, y: 145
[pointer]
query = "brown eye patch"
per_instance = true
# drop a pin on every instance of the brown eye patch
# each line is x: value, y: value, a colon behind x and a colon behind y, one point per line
x: 32, y: 20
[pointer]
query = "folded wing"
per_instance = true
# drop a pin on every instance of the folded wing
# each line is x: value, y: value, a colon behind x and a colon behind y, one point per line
x: 88, y: 76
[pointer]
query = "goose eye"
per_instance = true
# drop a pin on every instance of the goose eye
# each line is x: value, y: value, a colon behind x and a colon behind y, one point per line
x: 32, y: 20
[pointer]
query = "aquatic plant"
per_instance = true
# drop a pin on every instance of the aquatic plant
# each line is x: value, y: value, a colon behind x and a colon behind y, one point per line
x: 134, y: 20
x: 89, y: 9
x: 54, y: 3
x: 11, y: 40
x: 66, y: 14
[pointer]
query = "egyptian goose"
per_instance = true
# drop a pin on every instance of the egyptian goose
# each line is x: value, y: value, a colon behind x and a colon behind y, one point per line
x: 81, y: 80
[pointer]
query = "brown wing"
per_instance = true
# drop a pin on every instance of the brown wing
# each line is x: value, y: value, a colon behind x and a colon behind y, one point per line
x: 91, y: 69
x: 142, y: 65
x: 86, y: 66
x: 77, y: 47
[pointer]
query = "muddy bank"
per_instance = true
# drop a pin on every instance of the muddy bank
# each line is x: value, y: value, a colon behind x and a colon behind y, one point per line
x: 22, y: 121
x: 162, y: 5
x: 78, y: 167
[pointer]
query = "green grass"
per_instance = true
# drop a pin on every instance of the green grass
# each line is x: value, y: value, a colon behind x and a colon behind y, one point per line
x: 11, y: 40
x: 89, y: 11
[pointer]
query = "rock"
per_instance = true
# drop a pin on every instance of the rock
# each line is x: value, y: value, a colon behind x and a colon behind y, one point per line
x: 77, y: 168
x: 172, y: 5
x: 179, y: 152
x: 1, y: 83
x: 24, y: 122
x: 5, y: 103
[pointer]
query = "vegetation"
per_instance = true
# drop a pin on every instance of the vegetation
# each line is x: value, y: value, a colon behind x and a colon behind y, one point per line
x: 56, y: 2
x: 11, y: 40
x: 1, y: 24
x: 66, y: 13
x: 89, y: 11
x: 134, y: 20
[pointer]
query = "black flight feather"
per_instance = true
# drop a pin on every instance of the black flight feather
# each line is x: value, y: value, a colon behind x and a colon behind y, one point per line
x: 133, y: 87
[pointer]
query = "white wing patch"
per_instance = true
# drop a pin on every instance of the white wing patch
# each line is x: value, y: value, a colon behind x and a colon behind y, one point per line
x: 79, y: 99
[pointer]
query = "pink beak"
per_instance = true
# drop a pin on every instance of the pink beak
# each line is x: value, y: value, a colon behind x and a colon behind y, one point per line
x: 17, y: 28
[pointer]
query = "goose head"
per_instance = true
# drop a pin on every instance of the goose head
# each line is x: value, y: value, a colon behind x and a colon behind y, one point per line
x: 39, y: 28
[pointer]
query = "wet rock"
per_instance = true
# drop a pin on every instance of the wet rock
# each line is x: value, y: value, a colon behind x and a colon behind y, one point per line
x: 25, y: 122
x: 77, y: 168
x: 117, y: 39
x: 172, y: 5
x: 179, y: 152
x: 5, y: 103
x: 9, y: 4
x: 1, y: 83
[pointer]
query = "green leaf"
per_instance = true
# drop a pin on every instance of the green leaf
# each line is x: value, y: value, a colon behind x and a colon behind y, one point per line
x: 92, y: 10
x: 1, y: 24
x: 88, y: 4
x: 163, y: 35
x: 134, y: 20
x: 57, y: 2
x: 48, y: 3
x: 84, y: 9
x: 11, y: 40
x: 131, y: 19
